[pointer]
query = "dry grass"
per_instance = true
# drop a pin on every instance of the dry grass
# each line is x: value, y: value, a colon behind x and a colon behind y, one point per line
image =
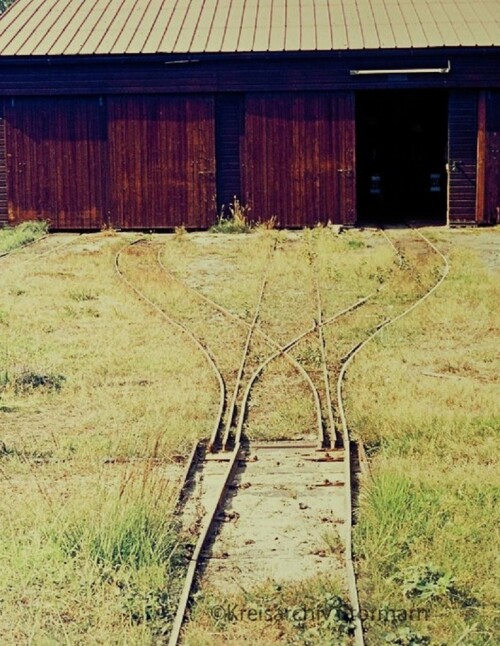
x: 281, y: 407
x: 97, y: 391
x: 14, y: 237
x: 134, y: 397
x: 309, y: 613
x: 425, y: 399
x: 107, y: 348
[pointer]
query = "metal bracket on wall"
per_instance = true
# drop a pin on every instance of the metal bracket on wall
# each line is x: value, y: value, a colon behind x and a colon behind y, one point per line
x: 422, y: 70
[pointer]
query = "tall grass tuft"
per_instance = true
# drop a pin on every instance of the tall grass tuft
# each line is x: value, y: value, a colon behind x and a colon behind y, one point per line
x: 236, y: 222
x: 14, y: 237
x: 133, y: 527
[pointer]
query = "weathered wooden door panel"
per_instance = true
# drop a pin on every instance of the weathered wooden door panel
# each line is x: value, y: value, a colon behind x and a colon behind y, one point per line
x: 56, y: 161
x: 162, y: 161
x: 3, y: 169
x: 298, y: 157
x: 462, y: 156
x: 491, y: 154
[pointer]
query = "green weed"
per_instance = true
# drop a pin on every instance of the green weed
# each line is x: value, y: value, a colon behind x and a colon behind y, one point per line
x: 14, y: 237
x: 237, y: 221
x: 83, y: 295
x: 405, y: 636
x: 29, y: 380
x: 425, y: 582
x: 131, y: 531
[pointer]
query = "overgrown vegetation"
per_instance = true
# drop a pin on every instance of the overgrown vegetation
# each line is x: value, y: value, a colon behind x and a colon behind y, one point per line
x: 100, y: 559
x: 424, y: 398
x: 14, y: 237
x: 309, y: 613
x: 236, y: 220
x: 100, y: 399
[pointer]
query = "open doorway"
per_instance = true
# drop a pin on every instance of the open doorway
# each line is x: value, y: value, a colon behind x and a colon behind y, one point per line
x: 401, y: 151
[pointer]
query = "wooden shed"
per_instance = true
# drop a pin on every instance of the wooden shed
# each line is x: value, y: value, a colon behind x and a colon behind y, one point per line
x: 149, y: 114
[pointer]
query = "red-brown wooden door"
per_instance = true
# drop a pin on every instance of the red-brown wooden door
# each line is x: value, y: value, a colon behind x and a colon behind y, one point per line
x: 56, y: 161
x: 162, y: 161
x: 298, y: 157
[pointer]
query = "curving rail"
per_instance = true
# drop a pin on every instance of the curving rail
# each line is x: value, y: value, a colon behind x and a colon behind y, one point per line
x: 259, y: 332
x: 346, y: 361
x: 204, y: 350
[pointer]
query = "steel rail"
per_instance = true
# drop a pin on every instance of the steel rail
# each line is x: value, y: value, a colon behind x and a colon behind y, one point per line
x: 204, y: 536
x: 346, y: 361
x: 273, y: 343
x: 44, y: 253
x: 192, y: 460
x: 280, y: 351
x: 283, y: 350
x: 23, y: 246
x: 60, y: 246
x: 325, y: 441
x: 189, y: 467
x: 393, y: 245
x: 200, y: 544
x: 205, y: 351
x: 233, y: 461
x: 251, y: 329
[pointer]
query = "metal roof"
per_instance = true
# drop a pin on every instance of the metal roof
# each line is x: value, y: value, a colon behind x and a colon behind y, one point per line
x: 93, y: 27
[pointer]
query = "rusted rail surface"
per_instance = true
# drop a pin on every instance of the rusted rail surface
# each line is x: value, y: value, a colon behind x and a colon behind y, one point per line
x: 259, y: 332
x: 234, y: 455
x: 23, y: 246
x: 346, y: 361
x: 330, y: 437
x: 251, y: 329
x: 38, y: 240
x: 198, y: 344
x: 285, y: 349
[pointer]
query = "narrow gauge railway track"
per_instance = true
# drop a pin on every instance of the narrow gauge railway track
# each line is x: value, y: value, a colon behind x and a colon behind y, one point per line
x: 198, y: 448
x: 347, y: 360
x: 182, y: 328
x: 226, y: 440
x: 330, y: 438
x: 293, y: 451
x: 47, y: 237
x: 279, y: 350
x: 23, y: 246
x: 199, y: 460
x: 257, y: 331
x: 238, y: 455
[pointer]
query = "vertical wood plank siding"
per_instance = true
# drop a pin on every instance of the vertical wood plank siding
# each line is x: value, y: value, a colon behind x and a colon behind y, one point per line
x: 162, y: 161
x: 463, y: 128
x: 298, y: 157
x: 492, y: 158
x: 3, y: 170
x: 56, y: 161
x: 149, y: 161
x: 481, y: 158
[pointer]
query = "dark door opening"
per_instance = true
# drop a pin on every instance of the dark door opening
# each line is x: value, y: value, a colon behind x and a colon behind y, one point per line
x: 401, y: 151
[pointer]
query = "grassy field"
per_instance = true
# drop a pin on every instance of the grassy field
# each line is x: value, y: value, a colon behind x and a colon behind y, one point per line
x: 15, y: 237
x: 101, y: 399
x: 425, y: 400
